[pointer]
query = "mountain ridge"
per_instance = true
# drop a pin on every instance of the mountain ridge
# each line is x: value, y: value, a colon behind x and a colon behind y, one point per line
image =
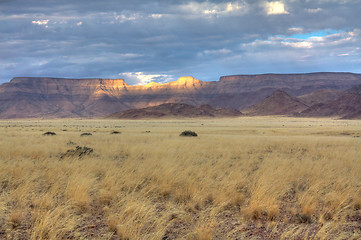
x: 25, y: 97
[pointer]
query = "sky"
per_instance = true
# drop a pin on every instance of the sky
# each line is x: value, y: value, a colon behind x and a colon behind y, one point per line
x: 144, y: 41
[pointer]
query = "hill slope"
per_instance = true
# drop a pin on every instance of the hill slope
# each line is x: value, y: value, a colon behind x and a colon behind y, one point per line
x: 347, y: 106
x: 279, y: 103
x: 170, y: 110
x: 320, y: 96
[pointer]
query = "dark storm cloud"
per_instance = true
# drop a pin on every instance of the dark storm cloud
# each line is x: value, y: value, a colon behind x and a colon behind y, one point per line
x: 162, y: 40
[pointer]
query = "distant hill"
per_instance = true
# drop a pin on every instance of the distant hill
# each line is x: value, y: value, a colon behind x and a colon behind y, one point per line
x: 355, y: 89
x: 176, y: 110
x: 279, y: 103
x: 353, y: 115
x: 29, y: 97
x: 346, y: 106
x: 320, y: 96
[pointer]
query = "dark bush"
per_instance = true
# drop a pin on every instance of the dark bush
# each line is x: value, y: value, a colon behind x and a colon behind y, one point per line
x: 304, y: 218
x: 116, y: 132
x: 77, y: 152
x: 71, y: 143
x: 86, y: 134
x: 188, y: 133
x: 49, y: 134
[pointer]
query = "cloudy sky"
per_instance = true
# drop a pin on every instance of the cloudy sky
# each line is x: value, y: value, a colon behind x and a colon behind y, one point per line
x: 143, y: 40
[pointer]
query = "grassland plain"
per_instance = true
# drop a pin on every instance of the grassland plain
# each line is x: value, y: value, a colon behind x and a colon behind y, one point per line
x: 241, y: 178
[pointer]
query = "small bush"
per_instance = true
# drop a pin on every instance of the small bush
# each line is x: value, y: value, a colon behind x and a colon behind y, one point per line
x: 303, y: 218
x: 16, y: 217
x: 77, y: 152
x: 49, y: 134
x: 85, y: 134
x: 71, y: 143
x: 188, y: 133
x: 115, y: 132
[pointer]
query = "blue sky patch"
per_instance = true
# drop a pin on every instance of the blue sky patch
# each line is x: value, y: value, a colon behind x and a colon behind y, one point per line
x: 320, y: 33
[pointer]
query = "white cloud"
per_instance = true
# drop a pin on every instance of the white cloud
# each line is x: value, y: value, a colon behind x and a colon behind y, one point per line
x: 141, y: 78
x: 275, y: 8
x: 317, y: 39
x: 296, y: 29
x: 314, y: 10
x: 130, y: 55
x: 10, y: 65
x: 124, y: 18
x: 215, y: 52
x: 156, y: 16
x: 104, y: 57
x: 300, y: 44
x: 233, y: 7
x: 209, y: 8
x: 40, y: 22
x: 308, y: 43
x: 39, y: 63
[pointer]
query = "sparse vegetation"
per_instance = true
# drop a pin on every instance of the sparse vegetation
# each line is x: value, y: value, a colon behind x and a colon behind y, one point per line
x: 77, y: 152
x: 49, y: 134
x: 188, y: 133
x: 244, y: 178
x: 86, y: 134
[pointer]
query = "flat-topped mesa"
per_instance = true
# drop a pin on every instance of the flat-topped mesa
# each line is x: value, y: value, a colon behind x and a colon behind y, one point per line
x: 119, y: 81
x: 182, y: 82
x: 115, y: 83
x: 111, y: 80
x: 22, y: 80
x: 186, y: 82
x: 296, y: 84
x: 110, y: 87
x: 152, y: 84
x: 45, y: 86
x: 330, y: 76
x: 25, y: 97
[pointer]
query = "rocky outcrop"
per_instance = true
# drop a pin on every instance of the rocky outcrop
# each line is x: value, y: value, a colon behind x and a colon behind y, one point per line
x: 58, y: 97
x: 54, y: 97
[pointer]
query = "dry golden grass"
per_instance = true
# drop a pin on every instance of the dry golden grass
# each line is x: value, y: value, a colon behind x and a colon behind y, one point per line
x: 244, y: 178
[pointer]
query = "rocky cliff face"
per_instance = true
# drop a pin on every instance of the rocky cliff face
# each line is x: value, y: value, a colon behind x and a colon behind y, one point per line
x: 295, y: 84
x: 58, y: 97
